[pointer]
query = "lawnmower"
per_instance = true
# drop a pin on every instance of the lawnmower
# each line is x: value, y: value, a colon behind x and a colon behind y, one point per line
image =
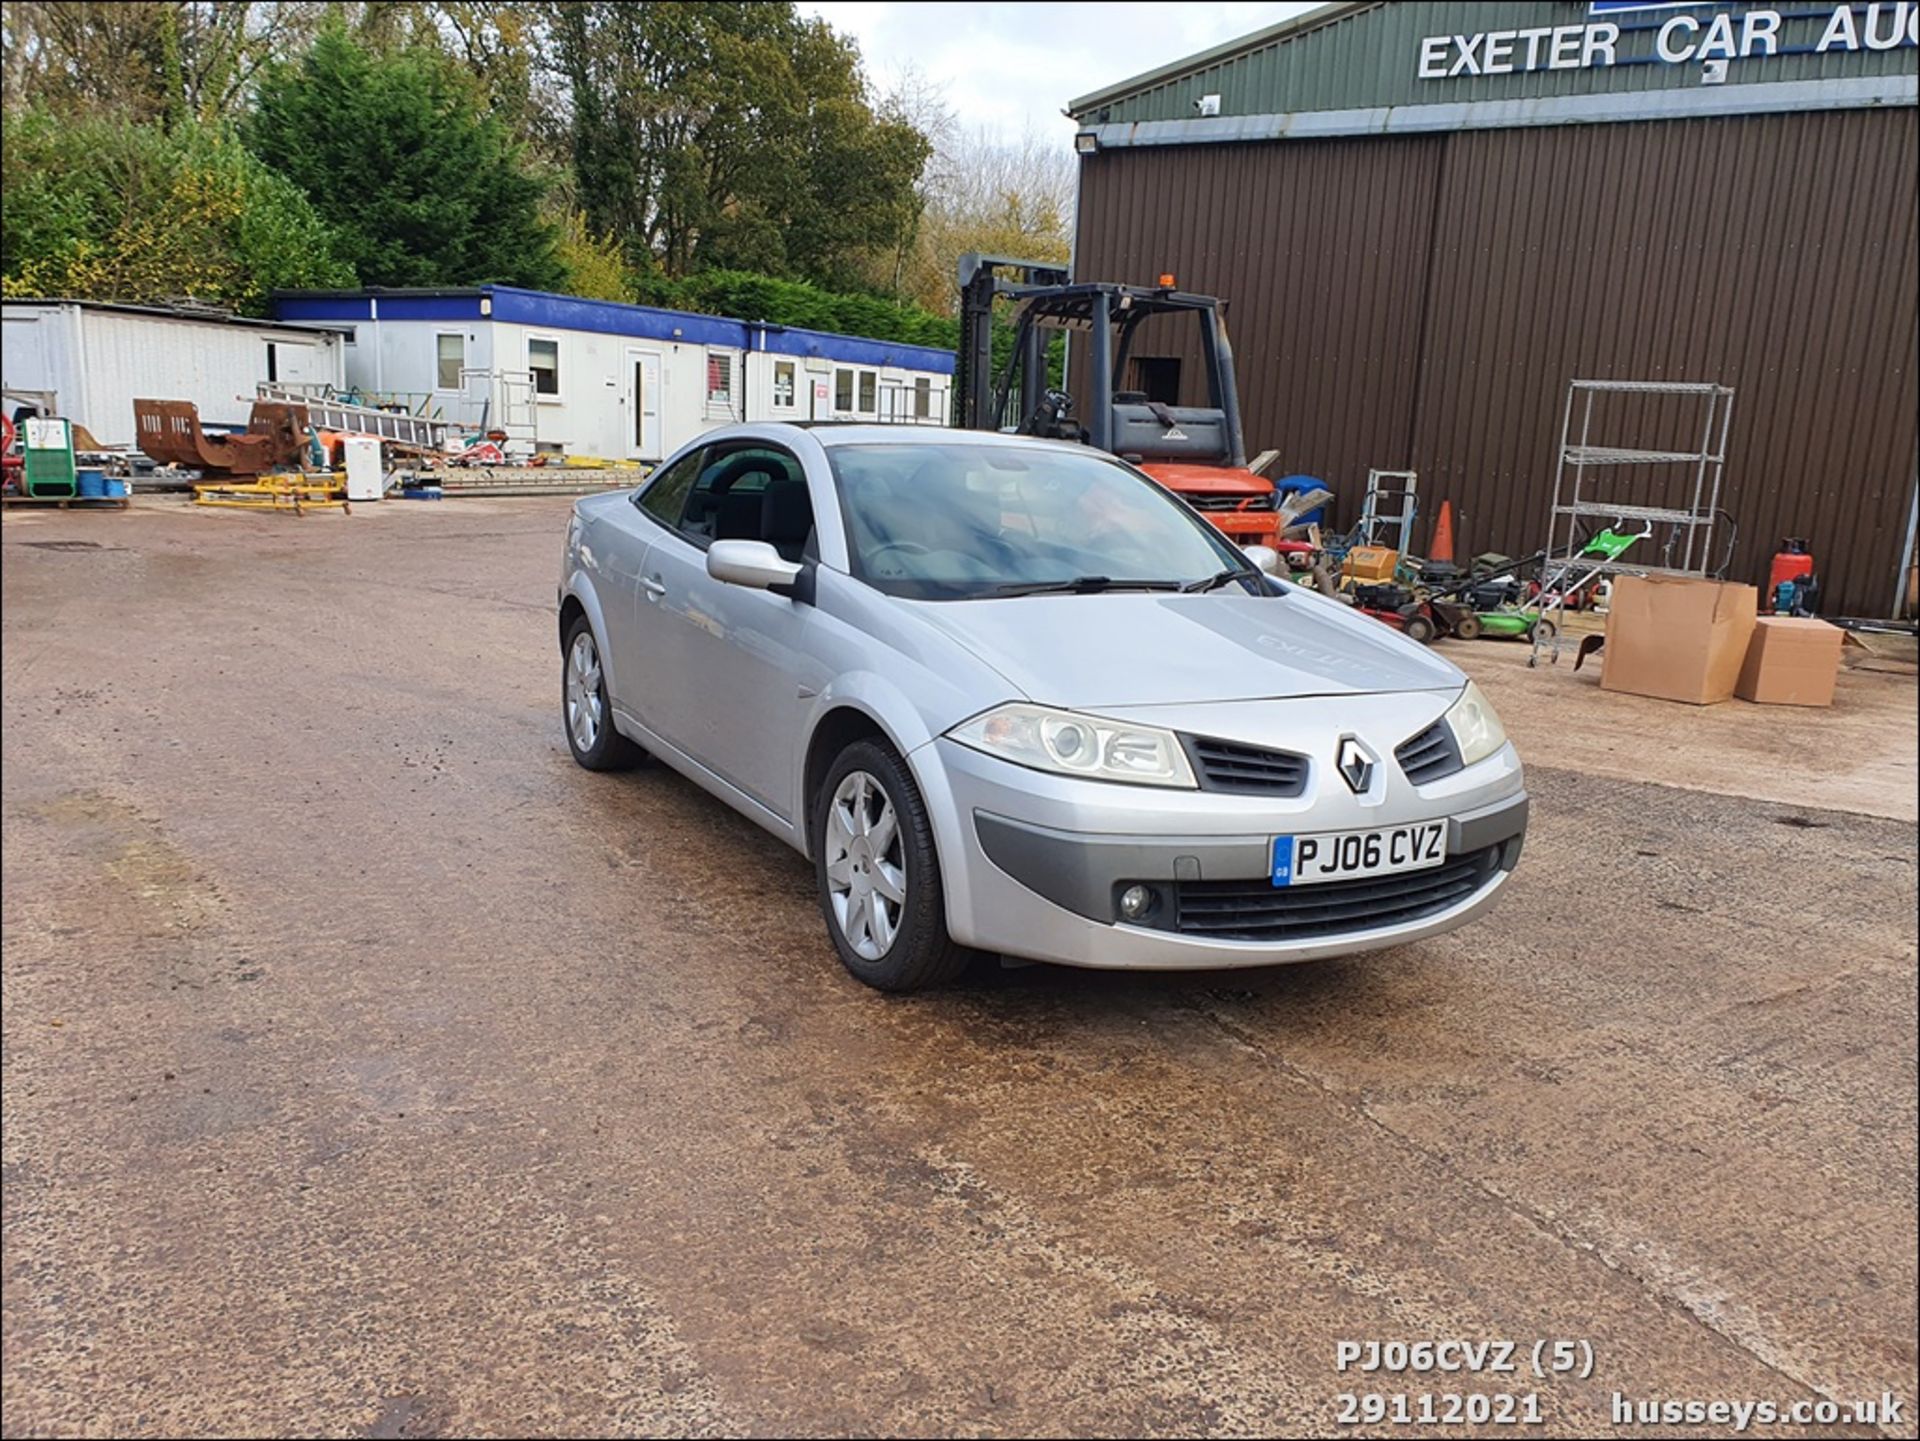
x: 1398, y: 606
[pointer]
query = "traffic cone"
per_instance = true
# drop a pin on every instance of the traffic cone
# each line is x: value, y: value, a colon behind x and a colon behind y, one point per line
x: 1441, y: 547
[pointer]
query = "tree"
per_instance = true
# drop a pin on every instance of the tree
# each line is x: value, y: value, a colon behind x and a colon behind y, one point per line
x: 989, y: 194
x: 168, y: 60
x: 713, y: 134
x: 113, y: 209
x: 399, y: 154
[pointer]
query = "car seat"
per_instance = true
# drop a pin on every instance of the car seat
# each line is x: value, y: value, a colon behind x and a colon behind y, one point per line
x: 786, y: 518
x: 737, y: 517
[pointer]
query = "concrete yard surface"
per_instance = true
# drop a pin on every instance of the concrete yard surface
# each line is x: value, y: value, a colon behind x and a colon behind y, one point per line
x: 371, y: 1069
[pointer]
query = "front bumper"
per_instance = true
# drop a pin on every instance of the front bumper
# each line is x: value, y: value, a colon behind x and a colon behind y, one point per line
x: 1032, y: 863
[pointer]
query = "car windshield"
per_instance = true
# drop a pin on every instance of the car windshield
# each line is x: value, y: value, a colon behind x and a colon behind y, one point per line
x: 964, y: 522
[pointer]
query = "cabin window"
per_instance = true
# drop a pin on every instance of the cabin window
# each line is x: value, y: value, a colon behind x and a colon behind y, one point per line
x: 783, y: 384
x: 922, y: 398
x: 843, y: 390
x: 869, y: 391
x: 543, y: 359
x: 719, y: 378
x: 450, y: 359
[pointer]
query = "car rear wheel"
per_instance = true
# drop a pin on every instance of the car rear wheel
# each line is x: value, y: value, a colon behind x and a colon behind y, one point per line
x: 878, y: 874
x: 583, y: 705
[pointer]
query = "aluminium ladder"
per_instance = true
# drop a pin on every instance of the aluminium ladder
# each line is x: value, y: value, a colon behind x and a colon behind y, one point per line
x: 1389, y: 506
x: 417, y: 432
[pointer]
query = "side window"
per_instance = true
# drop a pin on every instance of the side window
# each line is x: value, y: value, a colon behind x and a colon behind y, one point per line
x: 719, y: 378
x: 752, y: 492
x: 843, y: 390
x: 783, y: 384
x: 869, y: 391
x: 665, y: 498
x: 450, y: 358
x: 543, y: 359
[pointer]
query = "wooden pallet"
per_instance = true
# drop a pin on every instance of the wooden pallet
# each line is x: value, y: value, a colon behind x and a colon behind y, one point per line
x: 89, y: 502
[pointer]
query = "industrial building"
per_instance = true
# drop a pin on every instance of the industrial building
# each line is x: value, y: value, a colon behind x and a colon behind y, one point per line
x: 596, y: 377
x: 90, y: 361
x: 1429, y: 218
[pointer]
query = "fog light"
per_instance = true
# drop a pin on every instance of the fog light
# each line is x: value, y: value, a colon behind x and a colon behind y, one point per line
x: 1136, y: 901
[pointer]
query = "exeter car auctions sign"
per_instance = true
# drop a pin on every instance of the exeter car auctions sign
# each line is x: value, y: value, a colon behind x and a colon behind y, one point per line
x: 1680, y: 40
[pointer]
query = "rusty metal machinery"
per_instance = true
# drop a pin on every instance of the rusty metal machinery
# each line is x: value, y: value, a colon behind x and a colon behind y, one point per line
x: 169, y: 432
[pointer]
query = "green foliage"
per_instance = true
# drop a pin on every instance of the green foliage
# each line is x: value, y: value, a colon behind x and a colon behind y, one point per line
x: 593, y: 263
x: 732, y: 136
x: 794, y: 302
x: 115, y: 209
x: 399, y: 154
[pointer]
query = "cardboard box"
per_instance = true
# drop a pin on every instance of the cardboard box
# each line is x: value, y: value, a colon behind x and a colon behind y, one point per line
x: 1370, y: 563
x: 1791, y: 660
x: 1676, y: 638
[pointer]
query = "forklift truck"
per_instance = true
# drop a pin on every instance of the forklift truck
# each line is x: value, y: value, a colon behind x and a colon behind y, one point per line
x: 1197, y: 452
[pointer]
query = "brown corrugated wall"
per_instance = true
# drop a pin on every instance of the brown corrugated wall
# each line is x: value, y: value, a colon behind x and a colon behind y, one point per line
x: 1421, y: 302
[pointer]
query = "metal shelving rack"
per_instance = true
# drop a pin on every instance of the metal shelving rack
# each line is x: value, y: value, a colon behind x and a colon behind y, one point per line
x: 1576, y: 497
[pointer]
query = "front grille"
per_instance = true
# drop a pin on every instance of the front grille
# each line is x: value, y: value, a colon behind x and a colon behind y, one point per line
x: 1249, y: 770
x: 1257, y: 910
x: 1230, y: 502
x: 1429, y: 755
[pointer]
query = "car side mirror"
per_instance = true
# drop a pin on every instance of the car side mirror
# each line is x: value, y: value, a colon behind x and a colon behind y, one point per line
x: 1264, y: 556
x: 752, y: 563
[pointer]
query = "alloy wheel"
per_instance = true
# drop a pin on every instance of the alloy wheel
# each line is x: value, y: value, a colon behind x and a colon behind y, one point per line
x: 584, y: 704
x: 866, y: 865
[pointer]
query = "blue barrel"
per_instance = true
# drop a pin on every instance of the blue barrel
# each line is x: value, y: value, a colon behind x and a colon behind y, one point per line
x: 92, y: 483
x: 1299, y: 484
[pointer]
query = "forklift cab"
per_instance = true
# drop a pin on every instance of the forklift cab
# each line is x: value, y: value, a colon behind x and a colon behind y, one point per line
x: 1196, y: 451
x: 1124, y: 422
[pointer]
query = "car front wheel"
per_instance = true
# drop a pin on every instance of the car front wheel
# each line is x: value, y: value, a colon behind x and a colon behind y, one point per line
x: 878, y: 874
x: 583, y: 705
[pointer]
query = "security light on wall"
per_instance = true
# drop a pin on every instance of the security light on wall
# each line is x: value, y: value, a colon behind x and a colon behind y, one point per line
x: 1207, y: 105
x: 1087, y: 143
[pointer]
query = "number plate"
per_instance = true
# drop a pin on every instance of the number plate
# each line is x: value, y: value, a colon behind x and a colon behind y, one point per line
x: 1354, y: 855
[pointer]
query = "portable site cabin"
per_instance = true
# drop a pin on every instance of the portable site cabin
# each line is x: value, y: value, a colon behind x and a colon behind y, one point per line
x: 91, y: 360
x: 599, y: 378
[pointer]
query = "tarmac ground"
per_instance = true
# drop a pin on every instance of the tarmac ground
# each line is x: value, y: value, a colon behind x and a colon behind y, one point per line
x: 370, y: 1069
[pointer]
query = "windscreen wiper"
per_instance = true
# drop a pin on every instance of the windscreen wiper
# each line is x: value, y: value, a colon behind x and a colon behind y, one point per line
x: 1082, y: 585
x: 1214, y: 582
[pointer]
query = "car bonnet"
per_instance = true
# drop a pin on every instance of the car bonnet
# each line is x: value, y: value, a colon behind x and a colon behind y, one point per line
x: 1150, y: 648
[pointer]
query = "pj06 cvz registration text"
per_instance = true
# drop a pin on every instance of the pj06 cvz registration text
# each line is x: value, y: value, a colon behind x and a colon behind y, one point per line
x: 1355, y: 855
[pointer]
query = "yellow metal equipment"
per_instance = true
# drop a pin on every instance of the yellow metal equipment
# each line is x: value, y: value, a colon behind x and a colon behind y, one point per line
x: 297, y: 493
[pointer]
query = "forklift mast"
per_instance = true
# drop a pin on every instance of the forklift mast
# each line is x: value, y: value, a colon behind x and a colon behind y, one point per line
x: 1046, y: 298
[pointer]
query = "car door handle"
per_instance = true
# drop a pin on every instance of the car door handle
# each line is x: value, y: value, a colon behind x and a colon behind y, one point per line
x: 654, y: 587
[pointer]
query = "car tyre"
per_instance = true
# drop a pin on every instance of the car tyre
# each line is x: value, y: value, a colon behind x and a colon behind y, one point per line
x: 878, y: 874
x: 584, y: 712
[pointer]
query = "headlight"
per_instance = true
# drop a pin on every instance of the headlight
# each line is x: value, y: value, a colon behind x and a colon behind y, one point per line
x: 1076, y: 745
x: 1476, y: 729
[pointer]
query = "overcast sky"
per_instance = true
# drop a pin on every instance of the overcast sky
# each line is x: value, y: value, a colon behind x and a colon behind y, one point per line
x: 1010, y: 66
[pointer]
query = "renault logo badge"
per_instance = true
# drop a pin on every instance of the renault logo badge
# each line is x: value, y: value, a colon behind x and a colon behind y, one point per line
x: 1355, y: 764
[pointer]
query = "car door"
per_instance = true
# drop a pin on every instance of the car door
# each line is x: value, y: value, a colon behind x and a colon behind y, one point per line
x: 731, y: 660
x: 637, y: 644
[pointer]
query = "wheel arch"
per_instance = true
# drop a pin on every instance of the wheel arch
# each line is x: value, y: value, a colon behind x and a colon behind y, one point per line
x: 856, y: 707
x: 579, y: 600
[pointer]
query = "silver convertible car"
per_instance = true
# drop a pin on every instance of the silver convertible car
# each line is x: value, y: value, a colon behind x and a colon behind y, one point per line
x: 1010, y: 696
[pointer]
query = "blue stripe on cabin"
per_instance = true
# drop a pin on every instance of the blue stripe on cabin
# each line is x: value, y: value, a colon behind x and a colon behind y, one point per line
x: 547, y: 310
